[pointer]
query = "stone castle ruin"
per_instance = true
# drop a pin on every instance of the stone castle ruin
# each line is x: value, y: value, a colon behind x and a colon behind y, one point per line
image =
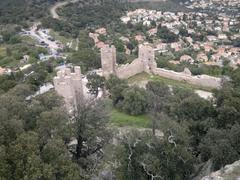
x: 68, y: 84
x: 146, y: 63
x: 108, y: 60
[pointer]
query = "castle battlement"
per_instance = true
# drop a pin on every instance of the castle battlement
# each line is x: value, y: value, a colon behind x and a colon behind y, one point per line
x: 68, y: 84
x: 146, y: 63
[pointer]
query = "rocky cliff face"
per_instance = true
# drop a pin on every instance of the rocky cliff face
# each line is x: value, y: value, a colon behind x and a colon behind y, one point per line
x: 229, y: 172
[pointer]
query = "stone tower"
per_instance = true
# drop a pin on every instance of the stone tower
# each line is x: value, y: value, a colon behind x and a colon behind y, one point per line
x: 68, y: 84
x: 147, y: 55
x: 108, y: 60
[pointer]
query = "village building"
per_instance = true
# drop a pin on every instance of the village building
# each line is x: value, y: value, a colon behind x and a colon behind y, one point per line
x: 124, y: 39
x: 186, y: 58
x: 139, y: 38
x: 176, y: 46
x: 196, y: 47
x: 222, y: 37
x: 202, y: 57
x: 161, y: 47
x: 152, y: 31
x: 208, y: 47
x: 102, y: 31
x: 212, y: 38
x: 189, y: 40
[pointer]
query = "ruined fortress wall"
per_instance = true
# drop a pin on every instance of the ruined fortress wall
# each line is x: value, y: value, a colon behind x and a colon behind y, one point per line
x: 108, y: 60
x: 76, y: 81
x: 147, y: 55
x: 128, y: 70
x: 146, y: 63
x: 64, y: 89
x: 68, y: 84
x: 201, y: 80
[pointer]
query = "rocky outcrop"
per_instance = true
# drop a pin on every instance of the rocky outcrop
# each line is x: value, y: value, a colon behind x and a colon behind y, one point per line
x: 229, y: 172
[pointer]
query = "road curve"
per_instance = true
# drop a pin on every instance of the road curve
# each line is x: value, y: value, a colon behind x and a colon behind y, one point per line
x: 58, y: 5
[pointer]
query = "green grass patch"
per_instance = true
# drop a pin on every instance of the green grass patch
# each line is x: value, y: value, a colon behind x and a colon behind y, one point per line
x: 59, y: 38
x: 122, y: 119
x: 29, y: 40
x: 143, y: 77
x: 2, y: 51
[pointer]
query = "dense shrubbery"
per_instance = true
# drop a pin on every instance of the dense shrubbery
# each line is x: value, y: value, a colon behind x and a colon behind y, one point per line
x: 36, y: 133
x: 87, y: 56
x: 23, y: 11
x: 188, y: 120
x: 166, y: 35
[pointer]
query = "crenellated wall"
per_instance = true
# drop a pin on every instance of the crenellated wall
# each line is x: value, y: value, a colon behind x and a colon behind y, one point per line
x: 146, y: 63
x: 68, y: 84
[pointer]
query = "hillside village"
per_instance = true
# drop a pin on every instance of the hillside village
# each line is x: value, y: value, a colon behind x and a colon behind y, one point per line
x: 207, y: 41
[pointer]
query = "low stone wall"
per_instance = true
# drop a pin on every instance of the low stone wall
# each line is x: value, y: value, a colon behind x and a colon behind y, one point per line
x: 128, y: 70
x: 201, y: 80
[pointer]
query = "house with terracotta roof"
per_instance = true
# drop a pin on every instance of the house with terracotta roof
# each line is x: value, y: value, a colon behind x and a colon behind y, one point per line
x: 176, y: 46
x: 186, y: 58
x: 102, y: 31
x: 202, y: 57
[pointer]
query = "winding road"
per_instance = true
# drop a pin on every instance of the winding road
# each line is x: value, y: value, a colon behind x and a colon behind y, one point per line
x: 58, y: 5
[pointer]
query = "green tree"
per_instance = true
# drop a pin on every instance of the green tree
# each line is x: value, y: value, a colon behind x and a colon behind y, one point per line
x: 158, y: 99
x: 87, y: 58
x: 219, y: 145
x: 165, y: 34
x: 90, y: 130
x: 134, y: 101
x: 95, y: 83
x: 150, y: 157
x: 116, y: 86
x: 195, y: 108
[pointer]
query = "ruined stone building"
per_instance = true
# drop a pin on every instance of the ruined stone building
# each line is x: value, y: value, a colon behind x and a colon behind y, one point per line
x: 108, y: 60
x: 68, y: 84
x: 146, y: 63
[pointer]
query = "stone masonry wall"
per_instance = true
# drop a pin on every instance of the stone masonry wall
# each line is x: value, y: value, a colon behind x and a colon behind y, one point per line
x: 201, y: 80
x: 146, y: 54
x: 68, y: 84
x: 129, y: 70
x: 146, y: 63
x: 108, y: 60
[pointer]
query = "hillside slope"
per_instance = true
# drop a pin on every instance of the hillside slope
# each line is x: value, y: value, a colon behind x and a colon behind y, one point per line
x: 229, y: 172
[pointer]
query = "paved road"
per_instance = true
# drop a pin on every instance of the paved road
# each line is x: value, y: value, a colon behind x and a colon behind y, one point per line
x: 58, y: 5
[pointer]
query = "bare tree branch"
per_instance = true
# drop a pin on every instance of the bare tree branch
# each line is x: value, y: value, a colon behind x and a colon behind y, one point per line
x: 148, y: 173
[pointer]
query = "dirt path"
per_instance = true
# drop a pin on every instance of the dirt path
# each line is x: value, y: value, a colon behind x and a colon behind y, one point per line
x: 58, y: 5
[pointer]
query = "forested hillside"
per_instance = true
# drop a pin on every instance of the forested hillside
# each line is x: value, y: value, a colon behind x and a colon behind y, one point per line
x: 20, y: 11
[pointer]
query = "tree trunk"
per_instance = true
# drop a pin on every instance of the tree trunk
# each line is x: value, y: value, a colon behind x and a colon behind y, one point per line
x: 79, y: 147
